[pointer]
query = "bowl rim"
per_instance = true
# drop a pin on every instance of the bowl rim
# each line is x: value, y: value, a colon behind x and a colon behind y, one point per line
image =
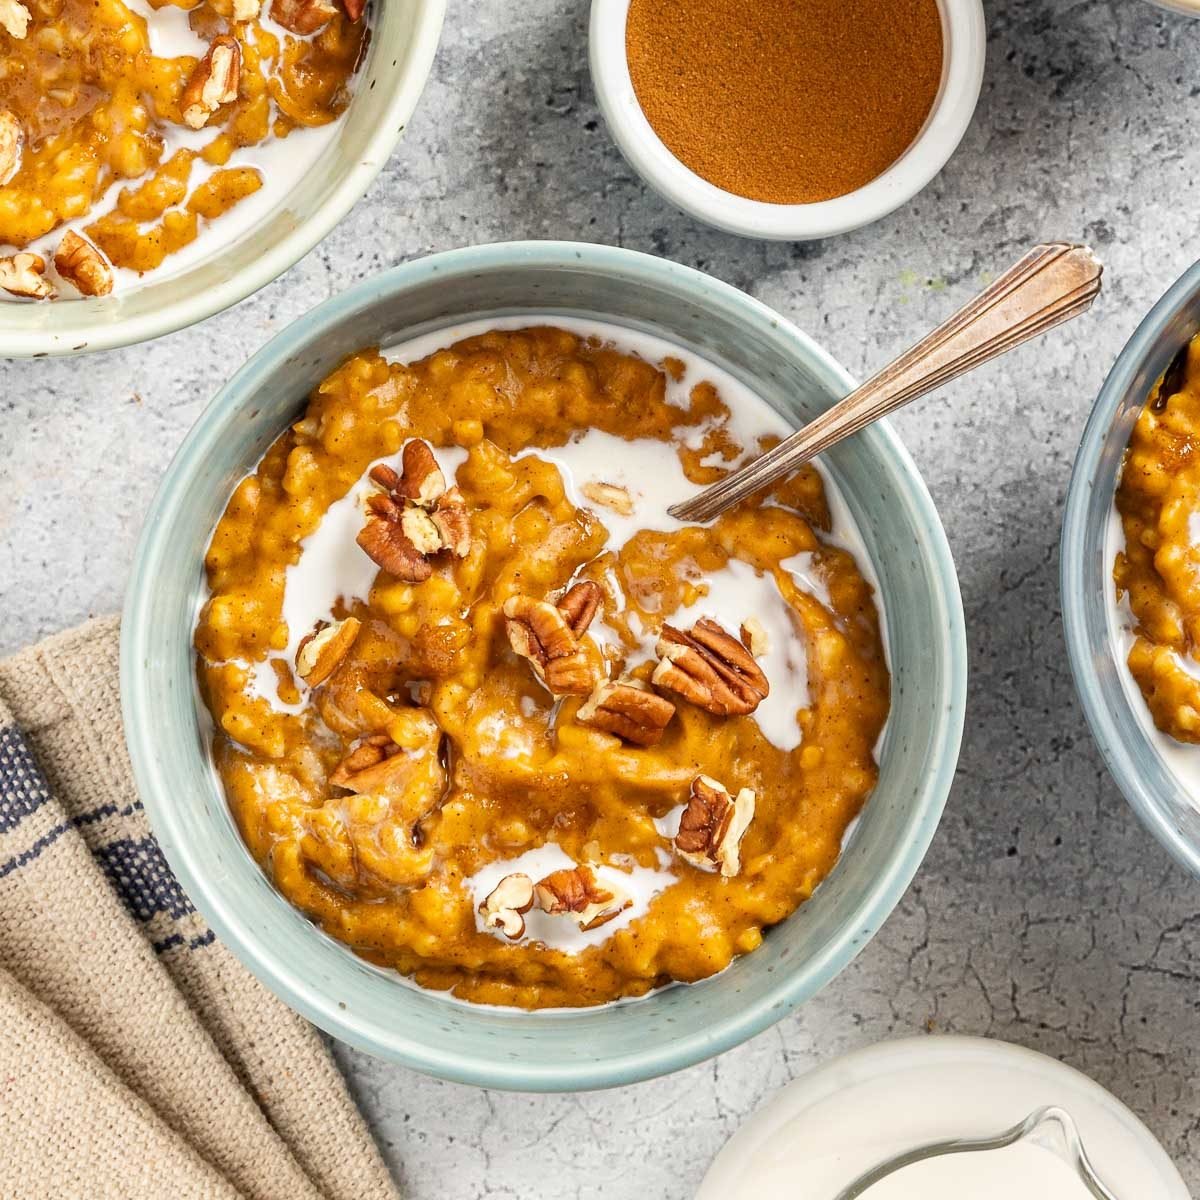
x: 1184, y: 8
x: 1075, y: 580
x: 237, y: 930
x: 72, y: 336
x: 964, y: 31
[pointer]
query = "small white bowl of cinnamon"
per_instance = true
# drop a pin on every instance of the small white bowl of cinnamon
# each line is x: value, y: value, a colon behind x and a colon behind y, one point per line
x: 787, y: 121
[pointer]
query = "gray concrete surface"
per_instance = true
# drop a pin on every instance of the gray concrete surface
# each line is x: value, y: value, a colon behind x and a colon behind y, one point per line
x: 1044, y: 914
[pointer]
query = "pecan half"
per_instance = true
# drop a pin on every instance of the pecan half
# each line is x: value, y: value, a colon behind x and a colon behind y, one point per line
x: 575, y: 892
x: 754, y: 637
x: 629, y: 709
x: 711, y: 668
x: 609, y: 495
x: 712, y: 825
x: 354, y: 8
x: 579, y: 604
x: 25, y: 275
x: 14, y: 18
x: 303, y: 16
x: 83, y: 266
x: 213, y: 81
x: 368, y: 766
x: 540, y: 632
x: 12, y: 143
x: 321, y: 652
x: 506, y: 904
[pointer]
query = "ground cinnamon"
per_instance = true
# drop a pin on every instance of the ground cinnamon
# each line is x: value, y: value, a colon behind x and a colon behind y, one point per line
x: 787, y: 101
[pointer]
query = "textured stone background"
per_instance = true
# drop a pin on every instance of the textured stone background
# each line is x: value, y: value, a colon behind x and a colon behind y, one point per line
x: 1043, y: 914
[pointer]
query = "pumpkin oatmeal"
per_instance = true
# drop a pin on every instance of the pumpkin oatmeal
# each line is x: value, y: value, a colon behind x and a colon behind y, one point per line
x: 1158, y: 569
x: 490, y: 717
x: 126, y: 130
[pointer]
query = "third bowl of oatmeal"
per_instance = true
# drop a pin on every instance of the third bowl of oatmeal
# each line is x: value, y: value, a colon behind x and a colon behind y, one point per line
x: 494, y: 768
x: 158, y: 165
x: 1129, y: 560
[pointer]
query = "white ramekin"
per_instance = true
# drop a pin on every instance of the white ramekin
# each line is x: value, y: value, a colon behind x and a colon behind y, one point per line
x: 965, y: 39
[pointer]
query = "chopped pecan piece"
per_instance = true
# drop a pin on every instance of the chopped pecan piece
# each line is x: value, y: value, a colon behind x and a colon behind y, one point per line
x: 367, y: 766
x: 238, y: 11
x: 12, y: 142
x: 712, y: 825
x: 213, y: 81
x: 421, y: 480
x: 25, y: 275
x: 576, y: 892
x: 321, y: 652
x: 506, y: 905
x: 453, y: 523
x: 710, y: 668
x: 14, y: 18
x: 419, y: 528
x: 539, y: 631
x: 416, y: 517
x: 303, y: 16
x: 579, y: 604
x: 609, y: 495
x: 83, y: 266
x: 629, y: 709
x: 754, y: 637
x: 384, y: 541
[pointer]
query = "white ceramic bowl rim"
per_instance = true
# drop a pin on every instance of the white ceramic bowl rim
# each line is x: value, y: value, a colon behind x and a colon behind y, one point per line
x: 1083, y: 578
x: 237, y: 929
x: 964, y: 31
x: 79, y: 325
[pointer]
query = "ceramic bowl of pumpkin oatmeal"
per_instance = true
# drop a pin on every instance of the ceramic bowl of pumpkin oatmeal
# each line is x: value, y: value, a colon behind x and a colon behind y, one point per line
x: 474, y: 754
x: 159, y: 162
x: 1130, y: 591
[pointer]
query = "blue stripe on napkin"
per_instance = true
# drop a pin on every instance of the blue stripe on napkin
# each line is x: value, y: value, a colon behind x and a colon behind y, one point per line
x: 131, y: 859
x: 22, y: 789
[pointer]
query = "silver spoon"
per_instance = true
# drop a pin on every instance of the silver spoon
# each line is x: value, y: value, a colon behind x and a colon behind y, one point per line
x: 1051, y: 284
x: 1050, y: 1127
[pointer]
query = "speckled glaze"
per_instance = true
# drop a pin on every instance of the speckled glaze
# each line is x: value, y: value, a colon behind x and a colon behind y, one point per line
x: 377, y: 1011
x: 1131, y: 754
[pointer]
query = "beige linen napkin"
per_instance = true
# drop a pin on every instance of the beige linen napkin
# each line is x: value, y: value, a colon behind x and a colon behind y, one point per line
x: 138, y: 1058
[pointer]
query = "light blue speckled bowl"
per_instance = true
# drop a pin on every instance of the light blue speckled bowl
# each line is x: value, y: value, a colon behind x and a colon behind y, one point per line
x: 1131, y: 754
x: 399, y: 57
x: 377, y: 1011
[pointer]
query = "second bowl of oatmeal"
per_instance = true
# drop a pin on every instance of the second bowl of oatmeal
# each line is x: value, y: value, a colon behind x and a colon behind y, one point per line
x: 158, y: 165
x: 1131, y: 603
x: 467, y: 522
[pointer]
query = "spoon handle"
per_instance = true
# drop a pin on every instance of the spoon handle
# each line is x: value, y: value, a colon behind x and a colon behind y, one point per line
x: 1050, y: 284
